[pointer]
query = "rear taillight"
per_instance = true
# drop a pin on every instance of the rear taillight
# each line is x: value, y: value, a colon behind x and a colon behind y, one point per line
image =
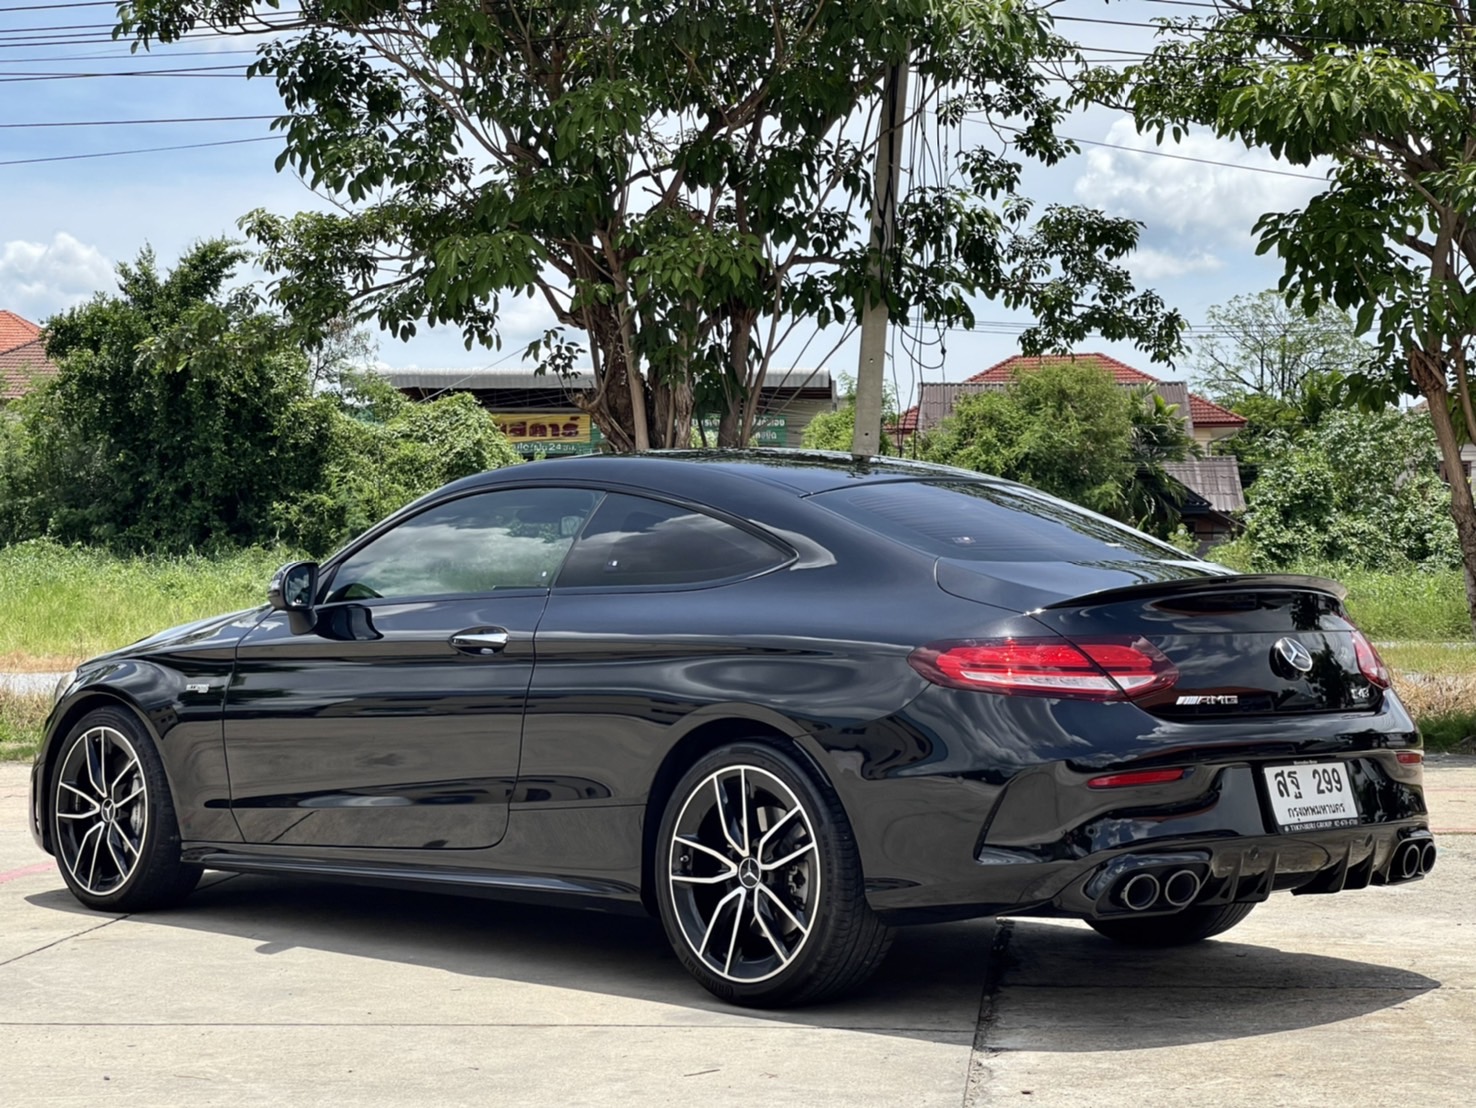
x: 1100, y: 669
x: 1136, y: 777
x: 1369, y: 662
x: 1410, y: 757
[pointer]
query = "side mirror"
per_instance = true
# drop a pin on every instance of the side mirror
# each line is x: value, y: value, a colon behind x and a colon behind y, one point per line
x: 293, y: 587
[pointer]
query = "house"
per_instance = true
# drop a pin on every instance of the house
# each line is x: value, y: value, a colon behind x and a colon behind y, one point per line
x: 538, y: 414
x: 23, y: 358
x: 1215, y: 492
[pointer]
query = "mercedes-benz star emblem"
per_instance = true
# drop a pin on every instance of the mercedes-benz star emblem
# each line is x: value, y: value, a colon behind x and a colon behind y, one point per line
x: 1295, y: 654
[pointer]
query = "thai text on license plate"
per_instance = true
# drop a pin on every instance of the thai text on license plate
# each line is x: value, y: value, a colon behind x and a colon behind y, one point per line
x: 1309, y: 797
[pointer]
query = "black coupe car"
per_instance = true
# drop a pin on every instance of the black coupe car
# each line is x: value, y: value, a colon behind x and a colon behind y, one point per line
x: 785, y: 702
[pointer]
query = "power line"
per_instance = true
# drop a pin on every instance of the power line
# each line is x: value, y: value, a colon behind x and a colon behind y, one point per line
x: 193, y: 71
x: 148, y: 150
x: 136, y: 122
x: 123, y: 57
x: 55, y: 7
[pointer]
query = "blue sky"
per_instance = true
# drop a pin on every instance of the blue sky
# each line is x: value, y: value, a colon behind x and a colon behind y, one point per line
x: 64, y: 224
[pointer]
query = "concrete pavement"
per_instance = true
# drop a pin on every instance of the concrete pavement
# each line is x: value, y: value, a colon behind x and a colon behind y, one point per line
x: 280, y: 993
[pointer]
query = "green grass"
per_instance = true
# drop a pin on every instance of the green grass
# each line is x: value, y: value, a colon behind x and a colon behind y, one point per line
x: 21, y: 718
x: 1412, y: 604
x: 60, y: 604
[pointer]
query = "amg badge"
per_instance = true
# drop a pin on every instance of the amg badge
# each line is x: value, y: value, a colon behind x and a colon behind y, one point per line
x: 1226, y: 698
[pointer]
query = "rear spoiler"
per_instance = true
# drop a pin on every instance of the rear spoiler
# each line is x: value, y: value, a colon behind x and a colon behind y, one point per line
x: 1239, y: 582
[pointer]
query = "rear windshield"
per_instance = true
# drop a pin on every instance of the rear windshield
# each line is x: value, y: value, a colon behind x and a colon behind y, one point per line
x: 990, y: 523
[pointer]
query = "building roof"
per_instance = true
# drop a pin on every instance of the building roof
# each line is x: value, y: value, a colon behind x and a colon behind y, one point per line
x: 1216, y: 480
x: 931, y: 409
x: 810, y: 384
x: 22, y: 356
x: 15, y: 331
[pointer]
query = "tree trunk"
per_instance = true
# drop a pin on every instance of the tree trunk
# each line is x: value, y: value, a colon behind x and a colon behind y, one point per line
x: 671, y: 425
x: 730, y: 428
x: 1428, y: 371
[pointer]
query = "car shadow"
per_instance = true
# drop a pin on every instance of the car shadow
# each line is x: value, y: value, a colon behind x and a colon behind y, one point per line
x: 933, y: 986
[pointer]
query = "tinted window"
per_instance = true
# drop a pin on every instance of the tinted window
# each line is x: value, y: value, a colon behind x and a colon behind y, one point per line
x: 990, y: 523
x: 476, y: 544
x: 634, y: 541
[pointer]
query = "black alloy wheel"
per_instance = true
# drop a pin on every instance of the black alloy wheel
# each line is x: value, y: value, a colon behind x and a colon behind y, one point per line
x: 759, y: 882
x: 1189, y: 926
x: 113, y: 824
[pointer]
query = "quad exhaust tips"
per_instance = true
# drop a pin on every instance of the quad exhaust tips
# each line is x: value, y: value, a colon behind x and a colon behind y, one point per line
x: 1414, y: 859
x: 1143, y: 891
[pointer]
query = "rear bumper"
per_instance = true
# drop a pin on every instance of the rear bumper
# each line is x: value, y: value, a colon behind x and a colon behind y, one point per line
x: 1054, y: 846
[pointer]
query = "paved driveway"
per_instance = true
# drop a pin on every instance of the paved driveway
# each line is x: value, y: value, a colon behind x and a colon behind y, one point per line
x: 277, y: 993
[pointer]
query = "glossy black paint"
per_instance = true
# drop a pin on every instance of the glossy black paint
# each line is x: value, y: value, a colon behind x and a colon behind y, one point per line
x: 357, y: 743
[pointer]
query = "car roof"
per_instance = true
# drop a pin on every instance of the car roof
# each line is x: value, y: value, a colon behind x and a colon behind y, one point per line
x: 695, y: 472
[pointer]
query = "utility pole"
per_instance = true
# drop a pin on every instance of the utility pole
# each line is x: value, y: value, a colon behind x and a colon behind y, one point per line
x: 866, y: 440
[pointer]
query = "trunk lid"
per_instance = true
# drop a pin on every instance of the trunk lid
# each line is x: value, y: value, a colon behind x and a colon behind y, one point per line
x: 1245, y: 645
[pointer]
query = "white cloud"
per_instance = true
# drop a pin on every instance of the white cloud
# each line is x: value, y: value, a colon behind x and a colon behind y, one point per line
x: 38, y: 279
x: 1190, y: 196
x: 1149, y: 264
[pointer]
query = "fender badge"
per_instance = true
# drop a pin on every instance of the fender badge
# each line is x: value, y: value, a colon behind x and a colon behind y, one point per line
x: 197, y: 688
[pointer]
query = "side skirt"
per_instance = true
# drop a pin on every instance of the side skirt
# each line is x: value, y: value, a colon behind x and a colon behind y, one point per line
x: 564, y: 892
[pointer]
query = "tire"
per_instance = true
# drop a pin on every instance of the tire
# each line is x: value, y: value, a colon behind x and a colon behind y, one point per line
x: 1189, y: 926
x: 769, y: 910
x: 113, y: 825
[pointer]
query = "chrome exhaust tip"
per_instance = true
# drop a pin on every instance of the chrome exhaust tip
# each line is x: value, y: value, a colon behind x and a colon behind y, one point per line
x: 1139, y: 892
x: 1181, y: 887
x: 1427, y: 858
x: 1409, y: 862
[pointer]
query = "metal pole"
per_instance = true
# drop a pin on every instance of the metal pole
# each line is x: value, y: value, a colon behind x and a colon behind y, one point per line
x: 866, y: 440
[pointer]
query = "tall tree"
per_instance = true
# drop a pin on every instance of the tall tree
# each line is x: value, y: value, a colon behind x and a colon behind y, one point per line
x: 1260, y: 346
x: 684, y: 183
x: 1384, y: 93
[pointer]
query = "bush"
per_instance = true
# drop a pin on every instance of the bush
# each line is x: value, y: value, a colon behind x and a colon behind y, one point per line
x: 1357, y: 490
x: 383, y: 452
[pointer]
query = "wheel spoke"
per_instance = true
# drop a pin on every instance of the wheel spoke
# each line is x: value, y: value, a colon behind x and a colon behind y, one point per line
x: 737, y: 924
x: 778, y: 902
x: 113, y: 853
x: 766, y: 866
x: 687, y: 879
x: 763, y: 926
x: 96, y: 808
x: 743, y: 806
x: 763, y: 843
x: 722, y: 811
x: 74, y: 862
x: 118, y: 780
x: 96, y: 850
x: 126, y: 841
x: 95, y: 771
x: 730, y: 870
x: 130, y: 798
x: 716, y: 912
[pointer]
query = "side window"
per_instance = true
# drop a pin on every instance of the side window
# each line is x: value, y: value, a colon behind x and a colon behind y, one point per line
x: 635, y: 541
x: 514, y: 539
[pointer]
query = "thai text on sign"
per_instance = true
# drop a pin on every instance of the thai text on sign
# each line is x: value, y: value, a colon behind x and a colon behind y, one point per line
x: 543, y: 427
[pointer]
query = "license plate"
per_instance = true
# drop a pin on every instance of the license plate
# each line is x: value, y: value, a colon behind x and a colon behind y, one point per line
x: 1310, y: 797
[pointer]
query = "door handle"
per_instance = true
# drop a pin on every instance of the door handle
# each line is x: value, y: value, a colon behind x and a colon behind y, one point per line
x: 487, y: 641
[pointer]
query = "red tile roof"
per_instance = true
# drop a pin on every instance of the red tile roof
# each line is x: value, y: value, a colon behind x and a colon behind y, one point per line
x: 1202, y: 412
x: 1017, y: 364
x: 15, y: 331
x: 22, y: 356
x: 1206, y: 413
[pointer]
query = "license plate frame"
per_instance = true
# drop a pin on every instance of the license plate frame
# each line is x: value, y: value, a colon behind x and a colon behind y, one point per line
x: 1311, y: 796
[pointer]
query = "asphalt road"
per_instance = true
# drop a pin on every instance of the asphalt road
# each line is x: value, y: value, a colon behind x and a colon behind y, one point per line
x: 266, y: 992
